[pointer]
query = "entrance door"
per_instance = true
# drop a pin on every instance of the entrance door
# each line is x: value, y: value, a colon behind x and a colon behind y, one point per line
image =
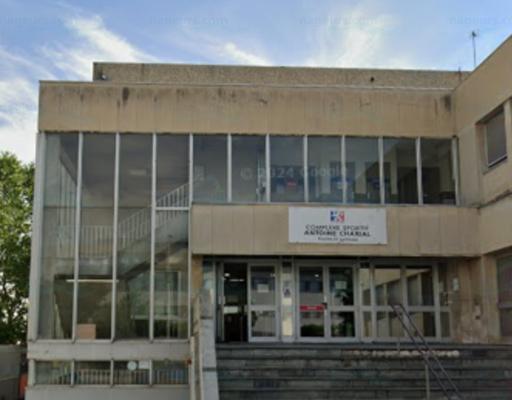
x: 326, y: 308
x: 234, y: 305
x: 263, y: 303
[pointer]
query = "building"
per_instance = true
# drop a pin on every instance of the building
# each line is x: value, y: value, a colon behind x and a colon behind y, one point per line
x: 305, y: 200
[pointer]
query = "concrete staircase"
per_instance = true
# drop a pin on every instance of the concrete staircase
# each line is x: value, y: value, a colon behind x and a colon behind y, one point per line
x: 305, y: 371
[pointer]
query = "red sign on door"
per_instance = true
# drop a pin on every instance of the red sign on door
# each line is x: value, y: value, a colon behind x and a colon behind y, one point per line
x: 319, y: 307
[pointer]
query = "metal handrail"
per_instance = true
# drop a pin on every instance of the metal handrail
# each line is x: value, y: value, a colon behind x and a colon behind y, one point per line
x: 426, y: 352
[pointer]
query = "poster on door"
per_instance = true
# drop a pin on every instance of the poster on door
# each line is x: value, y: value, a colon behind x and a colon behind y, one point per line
x: 337, y: 225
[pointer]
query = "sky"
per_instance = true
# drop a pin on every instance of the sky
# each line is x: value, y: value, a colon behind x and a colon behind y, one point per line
x: 59, y: 40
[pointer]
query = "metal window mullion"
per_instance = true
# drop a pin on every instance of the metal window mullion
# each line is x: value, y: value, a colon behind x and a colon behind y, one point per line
x: 358, y: 316
x: 37, y: 221
x: 190, y: 168
x: 437, y: 304
x: 305, y: 167
x: 405, y: 295
x: 77, y: 234
x: 189, y: 231
x: 343, y: 170
x: 455, y: 169
x: 72, y: 378
x: 114, y: 238
x: 229, y: 171
x: 381, y: 171
x: 267, y: 168
x: 111, y: 380
x: 152, y: 239
x: 150, y: 377
x: 419, y: 172
x: 373, y: 302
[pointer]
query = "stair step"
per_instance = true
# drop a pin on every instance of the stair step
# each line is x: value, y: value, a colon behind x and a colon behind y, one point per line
x: 307, y: 372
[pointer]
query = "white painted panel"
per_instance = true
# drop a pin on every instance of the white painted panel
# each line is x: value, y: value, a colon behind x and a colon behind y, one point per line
x: 337, y: 225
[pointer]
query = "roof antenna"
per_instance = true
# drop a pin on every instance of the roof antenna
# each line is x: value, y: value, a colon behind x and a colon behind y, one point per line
x: 474, y: 35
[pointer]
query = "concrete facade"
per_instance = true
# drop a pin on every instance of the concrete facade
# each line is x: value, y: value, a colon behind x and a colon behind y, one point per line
x: 181, y: 99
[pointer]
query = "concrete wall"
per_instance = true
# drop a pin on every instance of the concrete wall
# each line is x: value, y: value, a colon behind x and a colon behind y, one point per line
x: 10, y: 358
x: 263, y: 230
x: 105, y: 393
x: 488, y: 87
x: 474, y: 314
x: 289, y: 76
x: 108, y: 107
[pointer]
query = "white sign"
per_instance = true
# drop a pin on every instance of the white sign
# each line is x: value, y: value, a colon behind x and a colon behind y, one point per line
x: 337, y: 225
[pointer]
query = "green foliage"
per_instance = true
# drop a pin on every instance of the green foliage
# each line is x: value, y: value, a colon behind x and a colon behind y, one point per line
x: 16, y: 194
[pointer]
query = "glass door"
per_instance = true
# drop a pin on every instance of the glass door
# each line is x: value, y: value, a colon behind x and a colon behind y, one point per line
x: 312, y: 303
x: 263, y: 303
x: 341, y: 308
x: 326, y: 308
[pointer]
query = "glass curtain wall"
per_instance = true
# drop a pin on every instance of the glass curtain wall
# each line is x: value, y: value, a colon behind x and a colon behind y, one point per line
x: 362, y: 169
x: 132, y: 236
x: 400, y: 173
x: 96, y: 237
x: 286, y: 169
x: 437, y: 171
x: 171, y: 238
x: 413, y: 286
x: 248, y: 168
x: 210, y: 168
x: 324, y: 169
x: 58, y: 236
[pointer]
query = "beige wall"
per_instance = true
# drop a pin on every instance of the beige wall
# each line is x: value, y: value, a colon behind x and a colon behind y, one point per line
x: 285, y: 76
x: 108, y: 107
x: 263, y: 230
x: 485, y: 89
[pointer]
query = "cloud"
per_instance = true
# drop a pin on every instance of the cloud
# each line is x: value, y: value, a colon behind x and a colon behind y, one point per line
x: 231, y: 51
x: 18, y: 103
x: 212, y: 49
x: 92, y: 41
x: 360, y: 38
x: 18, y: 115
x: 89, y: 41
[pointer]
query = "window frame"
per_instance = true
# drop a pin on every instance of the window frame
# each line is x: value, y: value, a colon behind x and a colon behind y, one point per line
x: 487, y: 164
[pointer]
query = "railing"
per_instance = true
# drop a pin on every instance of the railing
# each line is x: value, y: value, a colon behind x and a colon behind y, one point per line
x: 432, y: 362
x: 96, y: 240
x: 92, y: 376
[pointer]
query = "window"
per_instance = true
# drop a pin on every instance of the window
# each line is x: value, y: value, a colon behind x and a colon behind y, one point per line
x: 92, y: 373
x: 96, y: 236
x: 437, y: 171
x: 400, y: 174
x: 413, y: 286
x: 324, y: 169
x: 134, y: 236
x: 286, y: 169
x: 171, y: 266
x: 53, y: 373
x: 248, y: 168
x: 505, y: 295
x: 58, y: 236
x: 495, y: 138
x: 132, y: 372
x: 362, y: 169
x: 210, y: 168
x: 172, y: 171
x: 170, y: 373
